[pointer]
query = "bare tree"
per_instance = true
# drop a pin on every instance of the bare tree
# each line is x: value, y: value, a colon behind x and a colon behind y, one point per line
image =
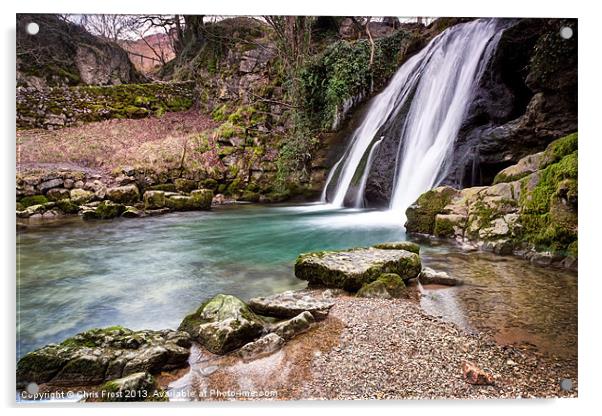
x: 109, y: 26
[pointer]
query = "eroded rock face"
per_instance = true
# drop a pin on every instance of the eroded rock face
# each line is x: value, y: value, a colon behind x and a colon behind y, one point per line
x: 290, y: 304
x: 222, y: 324
x: 98, y: 355
x: 351, y: 269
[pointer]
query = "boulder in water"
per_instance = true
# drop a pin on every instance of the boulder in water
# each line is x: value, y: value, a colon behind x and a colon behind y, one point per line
x: 222, y: 324
x: 292, y: 327
x: 429, y: 276
x: 351, y: 269
x: 399, y: 245
x: 266, y: 345
x: 127, y: 194
x: 137, y: 387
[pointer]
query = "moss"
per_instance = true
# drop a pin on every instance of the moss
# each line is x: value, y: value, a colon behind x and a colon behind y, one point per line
x: 228, y: 130
x: 249, y: 196
x: 393, y: 283
x: 166, y: 187
x: 33, y: 200
x: 209, y: 184
x: 443, y: 227
x: 67, y: 206
x: 107, y: 210
x: 504, y: 178
x: 548, y: 210
x: 558, y: 149
x: 220, y: 113
x: 421, y: 216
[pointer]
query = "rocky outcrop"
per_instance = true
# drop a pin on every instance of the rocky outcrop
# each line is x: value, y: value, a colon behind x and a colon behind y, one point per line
x: 99, y: 355
x: 290, y: 304
x: 527, y: 98
x: 351, y: 269
x: 535, y: 213
x: 222, y: 324
x: 64, y: 53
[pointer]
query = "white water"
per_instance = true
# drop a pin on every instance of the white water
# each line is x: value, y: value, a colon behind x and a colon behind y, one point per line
x: 436, y: 85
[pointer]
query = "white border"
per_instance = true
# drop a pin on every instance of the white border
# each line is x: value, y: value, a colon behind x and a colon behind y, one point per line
x: 590, y: 189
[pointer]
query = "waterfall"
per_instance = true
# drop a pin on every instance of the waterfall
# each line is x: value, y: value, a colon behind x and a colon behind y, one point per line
x: 421, y: 111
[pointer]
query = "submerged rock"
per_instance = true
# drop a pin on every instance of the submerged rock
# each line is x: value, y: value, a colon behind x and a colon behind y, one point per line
x: 351, y: 269
x: 266, y: 345
x: 292, y: 327
x: 222, y: 324
x: 290, y: 304
x: 99, y: 355
x: 429, y: 276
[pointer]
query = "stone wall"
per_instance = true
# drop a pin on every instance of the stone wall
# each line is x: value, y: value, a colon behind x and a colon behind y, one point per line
x: 57, y: 107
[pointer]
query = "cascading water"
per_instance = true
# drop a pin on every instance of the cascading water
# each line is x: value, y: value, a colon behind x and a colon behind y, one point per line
x: 421, y: 110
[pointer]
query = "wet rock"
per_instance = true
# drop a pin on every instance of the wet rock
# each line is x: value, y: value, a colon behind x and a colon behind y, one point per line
x: 128, y: 194
x: 399, y: 245
x: 292, y: 327
x: 201, y: 198
x: 132, y: 212
x: 351, y: 269
x: 222, y: 324
x: 154, y: 200
x: 266, y: 345
x: 429, y: 276
x: 523, y: 167
x: 137, y: 387
x: 107, y: 210
x: 421, y: 215
x: 474, y: 375
x: 290, y: 304
x: 98, y: 355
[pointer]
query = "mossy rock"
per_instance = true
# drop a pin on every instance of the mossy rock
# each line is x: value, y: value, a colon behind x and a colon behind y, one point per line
x: 351, y: 269
x: 202, y: 199
x: 166, y: 187
x: 558, y: 149
x: 249, y: 196
x: 209, y: 184
x: 67, y: 206
x: 81, y: 196
x: 154, y: 200
x: 128, y: 194
x: 222, y: 324
x: 399, y: 245
x: 375, y: 290
x: 421, y: 215
x: 185, y: 185
x: 107, y: 210
x: 33, y: 200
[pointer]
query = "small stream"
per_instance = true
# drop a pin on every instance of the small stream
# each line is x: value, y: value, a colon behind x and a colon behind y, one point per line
x: 151, y: 272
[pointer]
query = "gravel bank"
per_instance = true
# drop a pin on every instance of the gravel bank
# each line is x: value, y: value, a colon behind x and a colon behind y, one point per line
x: 378, y: 349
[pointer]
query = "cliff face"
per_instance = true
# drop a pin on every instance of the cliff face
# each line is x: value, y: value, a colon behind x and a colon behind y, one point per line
x: 527, y: 97
x: 63, y: 53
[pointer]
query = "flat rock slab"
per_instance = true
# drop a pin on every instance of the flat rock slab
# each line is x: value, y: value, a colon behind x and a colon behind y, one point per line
x: 351, y: 269
x: 290, y: 304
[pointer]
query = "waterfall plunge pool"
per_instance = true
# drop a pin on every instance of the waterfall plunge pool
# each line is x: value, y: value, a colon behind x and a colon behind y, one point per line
x: 149, y: 273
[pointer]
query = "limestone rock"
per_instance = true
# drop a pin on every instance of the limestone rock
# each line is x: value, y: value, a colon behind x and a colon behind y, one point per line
x: 56, y: 194
x: 351, y: 269
x: 266, y: 345
x: 292, y: 327
x: 399, y: 245
x: 387, y: 286
x: 127, y: 194
x: 429, y: 276
x: 374, y: 289
x: 154, y: 200
x: 222, y: 324
x: 98, y: 355
x: 185, y: 185
x: 80, y: 196
x: 137, y: 387
x: 290, y: 304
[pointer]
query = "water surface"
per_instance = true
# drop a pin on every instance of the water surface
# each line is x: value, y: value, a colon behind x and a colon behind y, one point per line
x: 151, y: 272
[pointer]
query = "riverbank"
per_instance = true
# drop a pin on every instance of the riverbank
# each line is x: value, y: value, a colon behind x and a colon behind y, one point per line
x: 377, y: 349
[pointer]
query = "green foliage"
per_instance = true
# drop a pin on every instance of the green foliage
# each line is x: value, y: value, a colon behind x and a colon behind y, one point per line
x: 559, y: 149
